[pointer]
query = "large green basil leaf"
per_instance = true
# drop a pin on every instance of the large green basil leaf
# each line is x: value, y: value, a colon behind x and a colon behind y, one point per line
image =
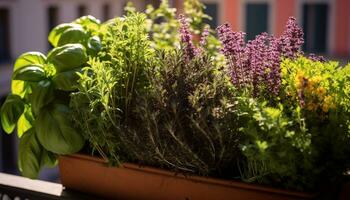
x: 66, y: 81
x: 73, y: 35
x: 42, y: 95
x: 30, y: 58
x: 67, y: 57
x: 32, y: 156
x: 38, y: 59
x: 19, y: 87
x: 55, y: 131
x: 29, y: 154
x: 29, y: 73
x: 11, y: 110
x: 56, y: 33
x: 25, y: 121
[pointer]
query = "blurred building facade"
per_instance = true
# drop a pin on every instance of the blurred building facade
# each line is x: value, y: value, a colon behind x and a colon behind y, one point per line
x: 326, y: 23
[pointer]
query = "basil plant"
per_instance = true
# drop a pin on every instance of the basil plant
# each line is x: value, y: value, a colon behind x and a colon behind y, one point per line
x: 39, y: 99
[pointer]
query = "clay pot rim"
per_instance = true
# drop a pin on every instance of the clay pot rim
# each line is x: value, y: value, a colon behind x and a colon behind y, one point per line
x: 207, y: 180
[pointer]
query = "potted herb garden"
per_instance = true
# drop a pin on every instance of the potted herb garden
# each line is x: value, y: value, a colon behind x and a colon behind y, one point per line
x: 155, y: 114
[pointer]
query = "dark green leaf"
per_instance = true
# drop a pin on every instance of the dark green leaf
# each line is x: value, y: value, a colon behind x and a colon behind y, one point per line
x: 48, y: 159
x: 11, y: 110
x: 55, y: 131
x: 29, y: 155
x: 67, y: 57
x: 42, y: 95
x: 66, y: 81
x: 73, y: 35
x: 29, y: 73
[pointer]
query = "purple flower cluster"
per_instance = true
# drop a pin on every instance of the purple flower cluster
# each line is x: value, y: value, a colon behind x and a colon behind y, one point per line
x: 292, y: 39
x: 257, y: 62
x: 190, y: 51
x: 204, y: 37
x: 314, y: 57
x: 235, y: 50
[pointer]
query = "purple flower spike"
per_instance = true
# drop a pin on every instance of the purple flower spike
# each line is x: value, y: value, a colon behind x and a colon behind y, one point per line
x: 236, y: 53
x: 292, y: 39
x: 186, y: 39
x: 204, y: 37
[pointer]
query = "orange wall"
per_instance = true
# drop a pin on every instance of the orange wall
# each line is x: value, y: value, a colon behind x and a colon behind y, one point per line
x: 231, y: 13
x: 342, y: 29
x: 284, y: 9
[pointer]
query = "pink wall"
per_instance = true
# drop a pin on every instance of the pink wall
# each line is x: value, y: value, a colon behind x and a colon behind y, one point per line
x: 284, y: 10
x: 342, y: 29
x: 232, y: 13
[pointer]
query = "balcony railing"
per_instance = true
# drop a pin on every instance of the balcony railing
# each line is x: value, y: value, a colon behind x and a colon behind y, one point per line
x: 20, y: 188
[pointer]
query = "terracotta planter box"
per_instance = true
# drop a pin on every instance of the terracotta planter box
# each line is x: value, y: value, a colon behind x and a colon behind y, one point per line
x: 92, y: 175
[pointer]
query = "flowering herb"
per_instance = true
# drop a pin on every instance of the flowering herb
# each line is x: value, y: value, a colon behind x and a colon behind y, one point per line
x: 256, y: 63
x: 190, y: 51
x: 291, y: 40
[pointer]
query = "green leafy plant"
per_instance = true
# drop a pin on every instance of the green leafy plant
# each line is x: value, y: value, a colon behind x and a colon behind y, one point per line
x: 108, y: 86
x: 41, y: 85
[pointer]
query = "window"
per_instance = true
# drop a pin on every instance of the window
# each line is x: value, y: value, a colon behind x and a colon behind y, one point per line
x: 315, y: 18
x: 4, y: 35
x: 212, y: 11
x: 154, y: 3
x: 82, y: 10
x: 52, y: 19
x: 106, y: 12
x: 256, y: 19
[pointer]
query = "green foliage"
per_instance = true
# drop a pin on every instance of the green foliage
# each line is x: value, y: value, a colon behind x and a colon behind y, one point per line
x: 302, y: 143
x: 67, y: 57
x: 108, y: 86
x: 38, y: 101
x: 32, y: 156
x: 29, y: 73
x: 11, y: 111
x: 184, y: 120
x: 127, y: 86
x: 55, y: 131
x: 194, y: 10
x: 163, y: 26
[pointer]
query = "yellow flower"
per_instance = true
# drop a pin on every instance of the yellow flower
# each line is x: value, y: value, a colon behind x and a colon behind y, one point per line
x: 328, y: 102
x: 321, y: 91
x: 325, y: 108
x: 311, y: 107
x: 299, y: 79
